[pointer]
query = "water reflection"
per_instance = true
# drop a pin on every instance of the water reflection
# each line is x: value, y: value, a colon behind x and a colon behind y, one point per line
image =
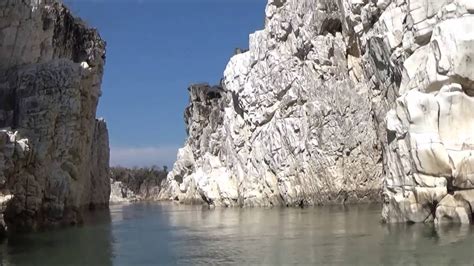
x: 85, y: 245
x: 451, y: 234
x: 270, y: 235
x: 149, y: 234
x: 325, y: 235
x: 428, y: 244
x: 143, y: 235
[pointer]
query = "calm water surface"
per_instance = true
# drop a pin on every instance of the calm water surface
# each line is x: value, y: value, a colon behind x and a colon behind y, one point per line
x: 150, y: 234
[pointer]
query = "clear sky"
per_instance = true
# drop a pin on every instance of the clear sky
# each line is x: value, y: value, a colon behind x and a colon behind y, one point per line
x: 155, y: 49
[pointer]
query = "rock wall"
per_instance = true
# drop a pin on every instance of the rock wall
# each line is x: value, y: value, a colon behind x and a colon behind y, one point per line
x: 291, y: 125
x: 120, y: 193
x: 14, y: 155
x: 336, y: 102
x: 51, y: 67
x: 431, y: 168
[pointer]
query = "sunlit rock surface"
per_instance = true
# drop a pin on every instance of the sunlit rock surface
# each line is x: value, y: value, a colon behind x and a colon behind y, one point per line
x: 336, y: 102
x: 433, y: 124
x: 291, y: 123
x: 55, y: 164
x: 120, y: 193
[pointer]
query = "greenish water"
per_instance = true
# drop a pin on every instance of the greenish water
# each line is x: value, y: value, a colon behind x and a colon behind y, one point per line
x: 151, y: 234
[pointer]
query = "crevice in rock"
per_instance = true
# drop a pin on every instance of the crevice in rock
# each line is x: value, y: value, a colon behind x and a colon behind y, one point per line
x: 238, y: 109
x: 278, y: 3
x: 302, y: 52
x: 207, y: 200
x: 331, y: 25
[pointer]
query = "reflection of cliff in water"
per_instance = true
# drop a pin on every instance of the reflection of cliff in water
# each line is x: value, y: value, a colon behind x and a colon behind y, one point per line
x: 169, y: 234
x: 322, y: 235
x: 415, y: 244
x: 272, y: 236
x: 89, y: 244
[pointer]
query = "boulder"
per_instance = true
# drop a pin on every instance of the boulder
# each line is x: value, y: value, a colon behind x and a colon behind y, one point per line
x: 451, y: 210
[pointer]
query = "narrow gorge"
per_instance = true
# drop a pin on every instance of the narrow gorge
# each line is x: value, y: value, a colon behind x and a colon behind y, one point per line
x: 54, y: 153
x: 334, y: 102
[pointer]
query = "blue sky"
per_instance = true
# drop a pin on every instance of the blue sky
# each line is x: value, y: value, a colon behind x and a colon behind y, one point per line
x: 155, y: 49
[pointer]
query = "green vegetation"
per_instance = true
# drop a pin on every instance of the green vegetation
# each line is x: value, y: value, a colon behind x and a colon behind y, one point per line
x: 139, y: 180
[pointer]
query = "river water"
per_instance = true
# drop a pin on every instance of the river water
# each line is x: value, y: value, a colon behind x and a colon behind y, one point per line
x: 170, y: 234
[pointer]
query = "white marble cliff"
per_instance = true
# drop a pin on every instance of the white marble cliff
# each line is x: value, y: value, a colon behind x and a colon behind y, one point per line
x: 337, y: 102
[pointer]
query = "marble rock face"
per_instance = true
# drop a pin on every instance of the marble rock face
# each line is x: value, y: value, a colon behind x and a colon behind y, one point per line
x: 121, y: 193
x: 340, y: 101
x: 290, y: 124
x: 55, y: 164
x: 434, y: 147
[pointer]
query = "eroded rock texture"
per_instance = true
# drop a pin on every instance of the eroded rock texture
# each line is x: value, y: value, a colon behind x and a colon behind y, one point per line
x: 336, y: 101
x: 51, y: 66
x: 430, y: 174
x: 288, y: 125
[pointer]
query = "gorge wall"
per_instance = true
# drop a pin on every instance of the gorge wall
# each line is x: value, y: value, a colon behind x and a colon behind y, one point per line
x: 54, y: 153
x: 340, y: 101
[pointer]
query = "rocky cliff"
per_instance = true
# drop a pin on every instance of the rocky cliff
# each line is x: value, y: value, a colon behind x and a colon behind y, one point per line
x: 55, y: 164
x: 292, y: 122
x: 431, y: 169
x: 335, y: 102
